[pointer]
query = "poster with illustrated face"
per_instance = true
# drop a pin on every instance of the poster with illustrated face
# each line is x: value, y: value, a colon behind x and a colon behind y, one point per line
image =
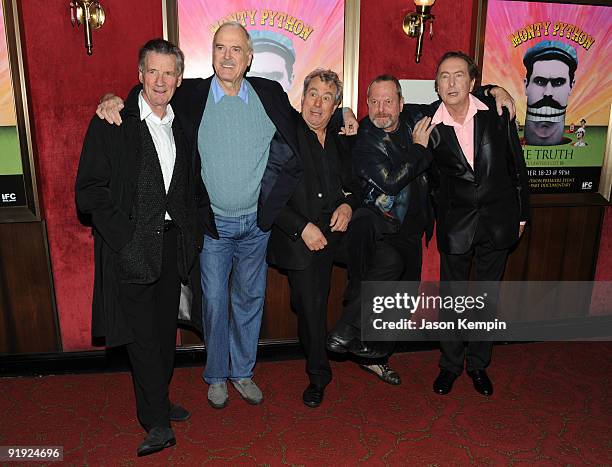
x: 555, y: 60
x: 12, y: 189
x: 290, y: 38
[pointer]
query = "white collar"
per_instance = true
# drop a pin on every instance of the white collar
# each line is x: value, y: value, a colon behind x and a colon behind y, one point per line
x: 147, y: 112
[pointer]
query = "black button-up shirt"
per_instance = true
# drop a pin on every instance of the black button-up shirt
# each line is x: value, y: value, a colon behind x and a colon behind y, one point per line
x: 327, y: 164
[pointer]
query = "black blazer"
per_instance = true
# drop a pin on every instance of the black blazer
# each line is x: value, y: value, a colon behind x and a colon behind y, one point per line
x: 286, y: 249
x: 494, y: 194
x: 283, y: 170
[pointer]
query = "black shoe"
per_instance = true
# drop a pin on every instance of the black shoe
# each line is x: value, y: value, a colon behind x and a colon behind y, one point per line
x: 369, y: 349
x: 178, y: 413
x: 337, y: 342
x: 313, y: 395
x: 384, y: 372
x: 481, y: 381
x: 158, y: 438
x: 444, y: 382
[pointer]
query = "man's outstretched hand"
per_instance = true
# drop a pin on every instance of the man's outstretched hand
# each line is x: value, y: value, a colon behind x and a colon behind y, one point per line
x: 109, y: 108
x: 503, y: 99
x: 421, y: 132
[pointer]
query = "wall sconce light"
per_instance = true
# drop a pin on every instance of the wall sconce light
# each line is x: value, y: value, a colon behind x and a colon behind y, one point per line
x: 414, y: 23
x: 89, y: 13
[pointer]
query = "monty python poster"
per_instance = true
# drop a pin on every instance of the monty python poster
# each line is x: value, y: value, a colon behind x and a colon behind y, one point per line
x: 555, y: 60
x: 290, y: 39
x: 12, y: 188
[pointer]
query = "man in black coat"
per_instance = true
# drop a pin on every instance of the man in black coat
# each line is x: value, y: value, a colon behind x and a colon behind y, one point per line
x: 308, y: 235
x: 137, y: 184
x: 482, y: 202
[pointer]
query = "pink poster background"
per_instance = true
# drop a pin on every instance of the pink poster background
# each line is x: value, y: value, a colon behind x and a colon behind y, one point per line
x: 503, y: 63
x: 324, y: 46
x: 7, y: 103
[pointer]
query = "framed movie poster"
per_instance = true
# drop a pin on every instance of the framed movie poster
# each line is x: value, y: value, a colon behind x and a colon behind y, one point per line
x: 290, y: 38
x: 18, y: 202
x: 555, y: 59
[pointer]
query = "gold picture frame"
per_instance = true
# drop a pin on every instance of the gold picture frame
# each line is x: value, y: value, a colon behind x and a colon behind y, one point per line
x: 29, y: 210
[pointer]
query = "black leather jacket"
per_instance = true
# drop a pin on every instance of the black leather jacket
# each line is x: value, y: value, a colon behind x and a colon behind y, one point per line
x: 385, y: 169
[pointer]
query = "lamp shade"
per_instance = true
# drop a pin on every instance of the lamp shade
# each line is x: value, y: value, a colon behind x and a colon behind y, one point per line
x: 424, y: 2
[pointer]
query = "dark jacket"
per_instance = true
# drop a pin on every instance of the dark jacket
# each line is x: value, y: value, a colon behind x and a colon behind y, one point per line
x: 286, y: 249
x: 386, y: 169
x: 493, y: 194
x: 283, y: 170
x: 106, y: 189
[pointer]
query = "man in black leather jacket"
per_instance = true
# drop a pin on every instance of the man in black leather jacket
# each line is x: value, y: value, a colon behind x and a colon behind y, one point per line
x: 391, y: 157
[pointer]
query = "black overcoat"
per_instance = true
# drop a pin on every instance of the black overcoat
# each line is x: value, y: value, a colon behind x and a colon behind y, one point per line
x: 106, y: 190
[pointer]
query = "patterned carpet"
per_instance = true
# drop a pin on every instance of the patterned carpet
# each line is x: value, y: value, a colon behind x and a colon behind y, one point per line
x: 552, y: 406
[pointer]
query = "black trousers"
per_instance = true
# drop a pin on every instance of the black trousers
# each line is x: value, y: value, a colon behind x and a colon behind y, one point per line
x: 152, y: 311
x: 489, y: 265
x: 309, y: 289
x: 395, y: 257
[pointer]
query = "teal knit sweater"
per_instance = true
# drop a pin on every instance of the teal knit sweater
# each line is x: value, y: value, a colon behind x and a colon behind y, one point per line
x: 234, y: 143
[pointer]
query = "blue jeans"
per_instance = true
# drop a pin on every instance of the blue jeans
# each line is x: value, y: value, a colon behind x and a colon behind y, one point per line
x: 232, y: 332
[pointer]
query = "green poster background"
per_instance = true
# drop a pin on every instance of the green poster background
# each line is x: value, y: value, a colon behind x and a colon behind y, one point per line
x: 10, y: 159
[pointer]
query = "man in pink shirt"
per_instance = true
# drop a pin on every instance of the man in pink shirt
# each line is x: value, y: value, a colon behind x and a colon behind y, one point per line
x: 481, y: 199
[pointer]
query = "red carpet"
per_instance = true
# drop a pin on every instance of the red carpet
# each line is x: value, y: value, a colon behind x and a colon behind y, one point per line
x: 552, y: 406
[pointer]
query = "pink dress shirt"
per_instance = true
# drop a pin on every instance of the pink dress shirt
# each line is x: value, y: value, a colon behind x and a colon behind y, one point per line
x: 464, y: 131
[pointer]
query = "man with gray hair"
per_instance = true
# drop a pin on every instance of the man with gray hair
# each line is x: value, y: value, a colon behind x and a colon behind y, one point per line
x: 243, y: 131
x: 308, y: 235
x: 137, y: 184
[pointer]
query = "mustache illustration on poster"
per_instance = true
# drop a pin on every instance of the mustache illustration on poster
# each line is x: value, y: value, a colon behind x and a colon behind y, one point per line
x: 554, y: 58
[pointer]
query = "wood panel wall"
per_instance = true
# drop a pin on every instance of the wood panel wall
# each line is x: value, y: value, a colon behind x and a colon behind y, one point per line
x: 28, y: 322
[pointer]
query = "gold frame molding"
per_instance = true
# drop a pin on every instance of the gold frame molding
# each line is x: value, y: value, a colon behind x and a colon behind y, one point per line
x: 351, y: 44
x: 30, y: 212
x: 604, y: 192
x: 352, y: 10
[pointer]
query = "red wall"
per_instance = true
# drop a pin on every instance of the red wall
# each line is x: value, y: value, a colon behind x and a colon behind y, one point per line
x: 65, y: 86
x: 385, y: 48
